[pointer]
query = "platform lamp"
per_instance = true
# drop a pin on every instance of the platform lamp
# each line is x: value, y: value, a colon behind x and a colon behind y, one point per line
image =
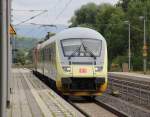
x: 129, y: 44
x: 143, y: 18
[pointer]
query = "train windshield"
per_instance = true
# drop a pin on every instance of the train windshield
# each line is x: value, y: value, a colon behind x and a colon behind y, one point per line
x: 81, y: 47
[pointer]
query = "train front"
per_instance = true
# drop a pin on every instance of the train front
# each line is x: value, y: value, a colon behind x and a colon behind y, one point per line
x: 81, y: 63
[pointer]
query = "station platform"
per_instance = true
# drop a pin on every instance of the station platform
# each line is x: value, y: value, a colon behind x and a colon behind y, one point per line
x: 32, y: 98
x: 130, y: 75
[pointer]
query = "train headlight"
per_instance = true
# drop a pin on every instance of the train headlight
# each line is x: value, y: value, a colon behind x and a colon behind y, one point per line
x: 67, y: 68
x: 98, y: 68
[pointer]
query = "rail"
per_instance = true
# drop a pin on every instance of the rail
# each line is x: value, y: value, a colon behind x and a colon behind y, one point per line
x: 132, y: 91
x: 104, y: 108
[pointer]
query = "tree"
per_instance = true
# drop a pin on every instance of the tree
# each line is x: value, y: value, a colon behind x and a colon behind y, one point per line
x: 124, y: 4
x: 29, y: 56
x: 24, y: 46
x: 136, y: 9
x: 20, y: 57
x: 110, y: 23
x: 85, y: 15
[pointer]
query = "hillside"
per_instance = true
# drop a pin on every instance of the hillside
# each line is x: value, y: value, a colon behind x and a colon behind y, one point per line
x: 24, y: 42
x: 36, y: 31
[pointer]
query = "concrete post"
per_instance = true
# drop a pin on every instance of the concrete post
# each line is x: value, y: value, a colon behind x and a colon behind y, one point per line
x: 8, y: 53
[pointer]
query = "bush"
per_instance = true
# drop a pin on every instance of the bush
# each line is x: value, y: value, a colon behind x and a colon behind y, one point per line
x: 120, y: 60
x: 116, y: 64
x: 137, y: 63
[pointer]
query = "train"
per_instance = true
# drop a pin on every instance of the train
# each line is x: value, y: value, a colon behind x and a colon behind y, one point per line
x: 76, y: 60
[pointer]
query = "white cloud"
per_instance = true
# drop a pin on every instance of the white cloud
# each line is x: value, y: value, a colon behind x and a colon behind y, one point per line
x: 54, y: 7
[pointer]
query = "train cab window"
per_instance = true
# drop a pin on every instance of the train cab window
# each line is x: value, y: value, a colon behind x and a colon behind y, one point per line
x: 81, y: 47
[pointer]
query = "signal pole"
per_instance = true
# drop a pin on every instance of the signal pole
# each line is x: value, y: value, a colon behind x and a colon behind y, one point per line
x: 144, y: 18
x: 129, y: 26
x: 129, y: 44
x: 144, y: 48
x: 3, y: 56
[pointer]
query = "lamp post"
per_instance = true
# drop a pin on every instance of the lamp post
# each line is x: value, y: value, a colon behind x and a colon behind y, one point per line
x: 129, y: 44
x: 144, y: 45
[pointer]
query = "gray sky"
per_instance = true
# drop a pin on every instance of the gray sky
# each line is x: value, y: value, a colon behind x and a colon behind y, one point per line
x: 54, y: 8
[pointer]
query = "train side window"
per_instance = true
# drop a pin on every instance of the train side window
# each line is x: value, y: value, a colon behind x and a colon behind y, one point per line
x: 46, y: 54
x: 43, y: 55
x: 49, y: 53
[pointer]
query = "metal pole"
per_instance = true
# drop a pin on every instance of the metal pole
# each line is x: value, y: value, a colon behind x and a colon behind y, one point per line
x: 8, y: 54
x: 129, y: 44
x: 144, y: 47
x: 129, y: 47
x: 3, y: 57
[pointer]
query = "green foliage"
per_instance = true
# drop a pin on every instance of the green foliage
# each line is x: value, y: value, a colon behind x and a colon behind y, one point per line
x: 124, y: 4
x: 24, y: 42
x: 87, y: 26
x: 138, y: 63
x: 117, y: 63
x: 29, y: 56
x: 85, y: 15
x: 120, y: 60
x: 110, y: 25
x: 20, y: 57
x: 24, y: 46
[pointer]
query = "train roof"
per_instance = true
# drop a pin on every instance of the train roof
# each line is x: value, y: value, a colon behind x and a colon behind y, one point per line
x: 76, y: 32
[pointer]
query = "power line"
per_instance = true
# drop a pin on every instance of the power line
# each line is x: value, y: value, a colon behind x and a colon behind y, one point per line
x: 135, y: 28
x: 31, y: 18
x: 15, y: 18
x: 31, y: 10
x: 58, y: 1
x: 67, y: 4
x: 54, y: 7
x: 44, y: 25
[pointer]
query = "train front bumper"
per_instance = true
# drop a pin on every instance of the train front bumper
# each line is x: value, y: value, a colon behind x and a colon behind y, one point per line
x: 82, y: 84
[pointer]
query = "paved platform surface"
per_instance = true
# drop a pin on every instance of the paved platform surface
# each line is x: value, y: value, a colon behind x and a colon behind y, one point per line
x: 32, y: 98
x: 134, y: 76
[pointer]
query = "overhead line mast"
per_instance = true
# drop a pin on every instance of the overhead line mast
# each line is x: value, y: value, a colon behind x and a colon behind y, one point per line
x: 4, y: 21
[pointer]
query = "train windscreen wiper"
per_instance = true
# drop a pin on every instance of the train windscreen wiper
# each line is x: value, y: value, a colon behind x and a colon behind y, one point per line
x: 77, y: 50
x: 88, y: 50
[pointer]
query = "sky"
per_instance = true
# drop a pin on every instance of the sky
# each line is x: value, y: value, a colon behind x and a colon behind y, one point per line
x: 54, y: 7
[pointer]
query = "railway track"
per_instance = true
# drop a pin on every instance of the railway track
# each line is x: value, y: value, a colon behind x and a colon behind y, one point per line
x: 130, y: 94
x: 95, y: 108
x: 130, y: 89
x: 130, y: 109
